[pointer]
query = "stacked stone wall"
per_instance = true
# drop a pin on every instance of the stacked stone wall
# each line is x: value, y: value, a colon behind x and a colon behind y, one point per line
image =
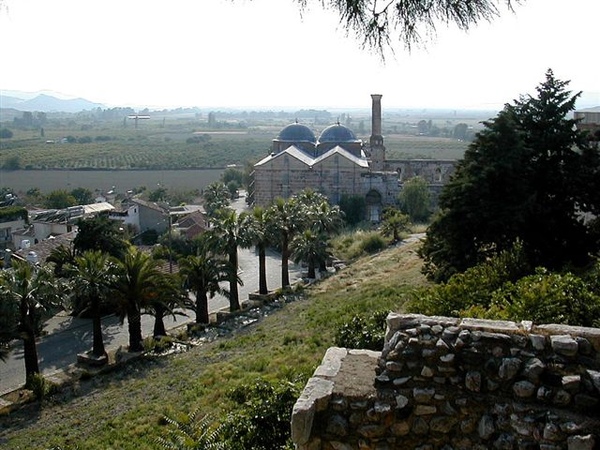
x: 446, y: 383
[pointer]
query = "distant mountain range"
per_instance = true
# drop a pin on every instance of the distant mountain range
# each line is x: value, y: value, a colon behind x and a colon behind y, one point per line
x: 44, y: 102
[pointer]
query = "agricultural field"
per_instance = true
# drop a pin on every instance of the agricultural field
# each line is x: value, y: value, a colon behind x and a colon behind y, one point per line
x: 171, y: 143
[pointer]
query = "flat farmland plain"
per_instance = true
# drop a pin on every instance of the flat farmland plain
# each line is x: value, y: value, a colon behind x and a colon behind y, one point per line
x: 20, y: 181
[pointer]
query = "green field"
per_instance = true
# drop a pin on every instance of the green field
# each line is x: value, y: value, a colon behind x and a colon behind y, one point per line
x: 157, y: 152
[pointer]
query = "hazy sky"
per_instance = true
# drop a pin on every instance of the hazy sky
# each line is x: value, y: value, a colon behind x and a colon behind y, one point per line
x: 262, y: 53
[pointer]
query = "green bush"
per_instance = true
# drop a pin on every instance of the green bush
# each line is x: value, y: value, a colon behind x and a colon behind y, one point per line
x: 40, y: 387
x: 469, y: 294
x: 550, y: 298
x: 362, y: 332
x: 372, y: 243
x: 261, y: 418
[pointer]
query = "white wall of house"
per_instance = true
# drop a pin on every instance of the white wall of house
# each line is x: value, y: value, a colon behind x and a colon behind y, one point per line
x: 7, y: 229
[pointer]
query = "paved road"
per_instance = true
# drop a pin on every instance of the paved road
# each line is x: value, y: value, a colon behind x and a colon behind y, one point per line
x: 68, y: 336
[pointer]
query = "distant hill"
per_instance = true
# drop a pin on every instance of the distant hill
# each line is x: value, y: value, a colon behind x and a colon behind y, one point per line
x: 47, y: 103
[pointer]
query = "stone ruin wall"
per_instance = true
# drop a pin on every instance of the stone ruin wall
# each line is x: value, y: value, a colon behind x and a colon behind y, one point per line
x: 447, y: 383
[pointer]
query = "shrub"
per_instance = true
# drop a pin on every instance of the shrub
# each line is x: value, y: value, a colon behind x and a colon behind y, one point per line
x: 550, y: 298
x: 261, y: 419
x: 40, y: 387
x: 362, y: 332
x: 5, y: 133
x: 372, y: 243
x: 472, y: 288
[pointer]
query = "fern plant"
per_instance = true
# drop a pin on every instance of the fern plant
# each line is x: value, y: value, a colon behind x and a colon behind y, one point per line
x: 192, y: 433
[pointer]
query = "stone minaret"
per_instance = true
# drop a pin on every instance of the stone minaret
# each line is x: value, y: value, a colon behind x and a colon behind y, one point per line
x: 376, y: 141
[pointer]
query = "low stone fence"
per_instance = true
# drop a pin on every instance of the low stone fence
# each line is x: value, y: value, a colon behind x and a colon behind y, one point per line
x: 447, y: 383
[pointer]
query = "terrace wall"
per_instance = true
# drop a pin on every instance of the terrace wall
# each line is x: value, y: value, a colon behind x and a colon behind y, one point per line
x: 447, y: 383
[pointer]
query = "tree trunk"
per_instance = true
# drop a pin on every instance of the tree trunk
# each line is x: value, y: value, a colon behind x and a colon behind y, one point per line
x: 201, y: 307
x: 311, y: 269
x: 285, y: 274
x: 323, y: 265
x: 29, y: 345
x: 234, y: 299
x: 159, y: 323
x: 262, y: 271
x: 134, y: 325
x: 98, y: 342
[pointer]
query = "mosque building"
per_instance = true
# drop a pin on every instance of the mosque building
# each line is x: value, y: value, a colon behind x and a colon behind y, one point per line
x: 338, y: 164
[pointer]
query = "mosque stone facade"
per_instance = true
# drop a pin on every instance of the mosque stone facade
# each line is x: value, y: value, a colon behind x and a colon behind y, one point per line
x: 338, y: 164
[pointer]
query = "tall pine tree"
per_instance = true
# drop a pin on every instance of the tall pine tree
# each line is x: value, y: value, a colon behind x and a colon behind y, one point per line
x: 527, y: 176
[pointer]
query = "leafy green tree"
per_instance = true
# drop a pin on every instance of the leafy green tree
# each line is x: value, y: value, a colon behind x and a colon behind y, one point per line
x: 216, y: 196
x: 525, y: 177
x: 100, y: 233
x: 5, y: 133
x: 227, y: 234
x: 158, y: 195
x: 203, y: 273
x: 233, y: 174
x: 415, y: 199
x: 136, y: 287
x: 59, y: 199
x: 232, y: 187
x: 353, y: 207
x: 94, y: 278
x: 460, y: 131
x: 12, y: 163
x: 34, y: 291
x: 82, y: 196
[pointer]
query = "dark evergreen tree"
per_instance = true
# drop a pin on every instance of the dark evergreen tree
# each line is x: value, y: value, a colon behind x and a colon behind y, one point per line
x: 526, y: 176
x: 100, y: 233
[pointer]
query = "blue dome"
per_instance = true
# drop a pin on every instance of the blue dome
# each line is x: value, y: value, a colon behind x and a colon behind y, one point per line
x: 337, y: 133
x: 296, y: 133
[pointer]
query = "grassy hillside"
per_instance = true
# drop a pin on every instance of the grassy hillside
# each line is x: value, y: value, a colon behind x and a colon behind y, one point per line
x: 124, y: 409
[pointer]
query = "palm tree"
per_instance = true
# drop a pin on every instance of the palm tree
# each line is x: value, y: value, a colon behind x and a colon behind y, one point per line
x: 321, y: 217
x: 94, y: 276
x: 393, y: 223
x: 34, y: 291
x: 216, y: 196
x: 61, y: 256
x: 136, y: 286
x: 170, y: 299
x: 202, y: 273
x: 9, y: 313
x: 256, y: 226
x: 310, y: 247
x: 283, y: 222
x: 227, y: 234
